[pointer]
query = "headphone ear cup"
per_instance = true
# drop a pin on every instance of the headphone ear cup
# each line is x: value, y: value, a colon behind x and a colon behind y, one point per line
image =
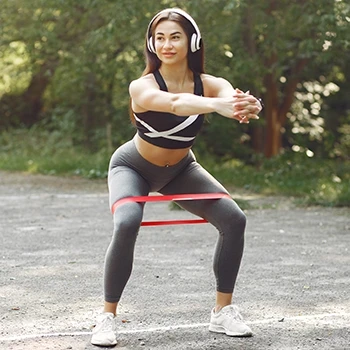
x: 194, y: 43
x: 198, y: 43
x: 150, y: 45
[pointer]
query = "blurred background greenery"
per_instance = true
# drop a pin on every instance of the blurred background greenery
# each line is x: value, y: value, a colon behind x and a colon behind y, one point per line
x: 66, y: 64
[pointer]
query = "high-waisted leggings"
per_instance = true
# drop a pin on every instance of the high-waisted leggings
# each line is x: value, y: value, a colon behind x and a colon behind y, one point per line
x: 132, y: 175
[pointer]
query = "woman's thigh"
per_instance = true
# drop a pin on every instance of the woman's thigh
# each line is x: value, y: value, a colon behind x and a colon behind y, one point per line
x: 195, y: 179
x: 125, y: 182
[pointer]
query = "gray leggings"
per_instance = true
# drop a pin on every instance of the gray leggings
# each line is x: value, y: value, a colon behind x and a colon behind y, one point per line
x: 132, y: 175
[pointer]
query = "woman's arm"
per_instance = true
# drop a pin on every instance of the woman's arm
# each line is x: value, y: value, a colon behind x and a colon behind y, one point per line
x: 145, y: 95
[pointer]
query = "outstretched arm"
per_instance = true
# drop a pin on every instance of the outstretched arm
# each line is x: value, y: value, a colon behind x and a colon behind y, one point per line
x: 222, y: 99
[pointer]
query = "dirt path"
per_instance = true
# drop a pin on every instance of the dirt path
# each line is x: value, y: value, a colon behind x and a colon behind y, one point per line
x: 293, y: 288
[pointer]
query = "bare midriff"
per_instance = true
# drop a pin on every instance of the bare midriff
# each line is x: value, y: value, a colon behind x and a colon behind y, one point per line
x: 157, y: 155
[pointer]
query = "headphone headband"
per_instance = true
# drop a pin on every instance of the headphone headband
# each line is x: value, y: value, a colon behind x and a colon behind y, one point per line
x: 195, y: 40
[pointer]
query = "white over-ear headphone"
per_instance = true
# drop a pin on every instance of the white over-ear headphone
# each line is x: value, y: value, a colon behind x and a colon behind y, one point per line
x: 195, y: 41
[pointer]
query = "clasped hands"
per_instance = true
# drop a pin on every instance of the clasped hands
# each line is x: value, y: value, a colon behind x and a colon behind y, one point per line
x: 246, y: 107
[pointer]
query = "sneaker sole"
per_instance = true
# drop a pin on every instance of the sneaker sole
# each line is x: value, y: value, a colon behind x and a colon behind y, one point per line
x: 220, y: 329
x: 96, y: 342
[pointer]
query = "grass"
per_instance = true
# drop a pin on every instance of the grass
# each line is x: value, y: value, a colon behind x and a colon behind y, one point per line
x: 310, y: 181
x: 43, y: 152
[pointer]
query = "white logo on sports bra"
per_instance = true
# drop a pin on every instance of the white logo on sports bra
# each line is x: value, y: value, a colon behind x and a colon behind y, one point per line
x: 168, y: 134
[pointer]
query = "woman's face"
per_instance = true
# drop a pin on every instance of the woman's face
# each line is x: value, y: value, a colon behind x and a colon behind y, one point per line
x: 170, y: 42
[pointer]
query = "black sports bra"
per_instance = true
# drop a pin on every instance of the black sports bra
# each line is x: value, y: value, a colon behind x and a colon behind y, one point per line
x: 168, y: 130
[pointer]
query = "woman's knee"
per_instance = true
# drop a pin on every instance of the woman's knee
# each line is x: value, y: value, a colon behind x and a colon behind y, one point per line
x: 127, y: 220
x: 231, y: 215
x: 239, y: 215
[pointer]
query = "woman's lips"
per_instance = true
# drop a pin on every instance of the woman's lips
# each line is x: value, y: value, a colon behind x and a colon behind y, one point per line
x: 168, y: 54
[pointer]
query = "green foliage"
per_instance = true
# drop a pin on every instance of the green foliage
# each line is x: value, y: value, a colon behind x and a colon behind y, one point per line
x: 90, y: 50
x: 308, y: 180
x: 48, y: 152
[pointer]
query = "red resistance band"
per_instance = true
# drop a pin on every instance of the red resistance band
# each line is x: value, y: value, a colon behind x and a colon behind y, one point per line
x: 171, y: 197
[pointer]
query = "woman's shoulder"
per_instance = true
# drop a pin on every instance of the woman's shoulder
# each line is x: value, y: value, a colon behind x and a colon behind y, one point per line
x: 211, y: 79
x: 146, y: 81
x: 143, y: 79
x: 212, y: 84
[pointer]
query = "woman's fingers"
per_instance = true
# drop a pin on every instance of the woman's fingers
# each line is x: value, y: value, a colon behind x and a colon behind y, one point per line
x: 250, y: 109
x: 247, y: 106
x: 245, y: 118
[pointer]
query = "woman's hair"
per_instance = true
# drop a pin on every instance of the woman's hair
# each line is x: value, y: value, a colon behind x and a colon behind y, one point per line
x: 195, y: 59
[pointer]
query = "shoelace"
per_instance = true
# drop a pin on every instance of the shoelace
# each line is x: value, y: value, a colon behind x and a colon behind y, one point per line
x: 233, y: 313
x: 107, y: 324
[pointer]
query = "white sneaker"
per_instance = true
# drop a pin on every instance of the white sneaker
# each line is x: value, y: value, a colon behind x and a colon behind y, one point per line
x: 229, y: 321
x: 105, y: 331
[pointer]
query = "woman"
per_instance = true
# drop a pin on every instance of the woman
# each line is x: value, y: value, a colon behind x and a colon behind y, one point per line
x: 168, y: 102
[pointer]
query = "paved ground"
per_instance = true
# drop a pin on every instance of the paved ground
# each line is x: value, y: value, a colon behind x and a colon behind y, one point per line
x: 293, y: 288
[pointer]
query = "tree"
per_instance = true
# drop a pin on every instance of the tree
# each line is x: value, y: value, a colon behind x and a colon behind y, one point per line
x: 279, y: 39
x: 79, y: 57
x: 90, y: 43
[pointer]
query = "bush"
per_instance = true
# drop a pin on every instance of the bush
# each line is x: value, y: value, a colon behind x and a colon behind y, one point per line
x: 41, y: 151
x: 311, y: 181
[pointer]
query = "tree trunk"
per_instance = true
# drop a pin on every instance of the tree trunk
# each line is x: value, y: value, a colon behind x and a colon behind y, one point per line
x: 88, y: 112
x: 275, y: 110
x: 273, y: 138
x: 273, y: 123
